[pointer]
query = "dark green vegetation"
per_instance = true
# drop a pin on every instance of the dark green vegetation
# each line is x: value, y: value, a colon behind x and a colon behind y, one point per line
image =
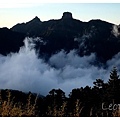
x: 102, y: 99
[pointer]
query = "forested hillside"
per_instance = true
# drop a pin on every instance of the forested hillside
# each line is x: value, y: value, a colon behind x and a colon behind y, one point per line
x: 100, y: 100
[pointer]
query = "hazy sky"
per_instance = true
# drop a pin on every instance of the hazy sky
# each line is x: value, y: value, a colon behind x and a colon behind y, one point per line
x: 12, y: 12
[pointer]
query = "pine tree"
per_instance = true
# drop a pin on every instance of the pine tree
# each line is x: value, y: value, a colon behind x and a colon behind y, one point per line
x: 99, y: 83
x: 114, y: 86
x: 113, y: 76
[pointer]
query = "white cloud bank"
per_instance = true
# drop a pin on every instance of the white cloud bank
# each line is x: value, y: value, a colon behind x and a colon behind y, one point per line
x: 24, y: 71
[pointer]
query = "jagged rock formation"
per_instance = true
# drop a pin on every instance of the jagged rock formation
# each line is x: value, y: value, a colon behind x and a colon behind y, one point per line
x: 37, y: 28
x: 67, y: 15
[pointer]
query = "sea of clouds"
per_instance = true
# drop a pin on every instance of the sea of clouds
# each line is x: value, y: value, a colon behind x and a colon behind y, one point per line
x: 26, y: 72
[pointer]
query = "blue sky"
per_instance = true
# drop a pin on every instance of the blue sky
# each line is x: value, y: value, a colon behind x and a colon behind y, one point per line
x: 15, y: 12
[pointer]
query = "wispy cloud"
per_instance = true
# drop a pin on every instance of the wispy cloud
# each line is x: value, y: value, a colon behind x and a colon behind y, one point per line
x: 116, y: 31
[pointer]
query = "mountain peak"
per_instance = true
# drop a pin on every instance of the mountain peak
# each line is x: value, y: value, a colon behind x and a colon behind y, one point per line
x: 67, y: 15
x: 36, y: 19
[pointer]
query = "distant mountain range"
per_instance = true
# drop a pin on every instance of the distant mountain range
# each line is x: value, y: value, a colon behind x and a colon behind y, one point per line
x: 95, y: 36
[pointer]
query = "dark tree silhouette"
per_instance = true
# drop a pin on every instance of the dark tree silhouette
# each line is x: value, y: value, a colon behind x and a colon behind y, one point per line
x: 99, y: 83
x: 114, y: 86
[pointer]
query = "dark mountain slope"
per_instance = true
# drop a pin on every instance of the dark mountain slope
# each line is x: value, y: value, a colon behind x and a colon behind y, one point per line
x: 98, y: 37
x: 10, y: 41
x: 32, y: 27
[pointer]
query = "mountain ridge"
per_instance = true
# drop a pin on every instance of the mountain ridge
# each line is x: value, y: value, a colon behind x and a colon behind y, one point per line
x: 96, y: 36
